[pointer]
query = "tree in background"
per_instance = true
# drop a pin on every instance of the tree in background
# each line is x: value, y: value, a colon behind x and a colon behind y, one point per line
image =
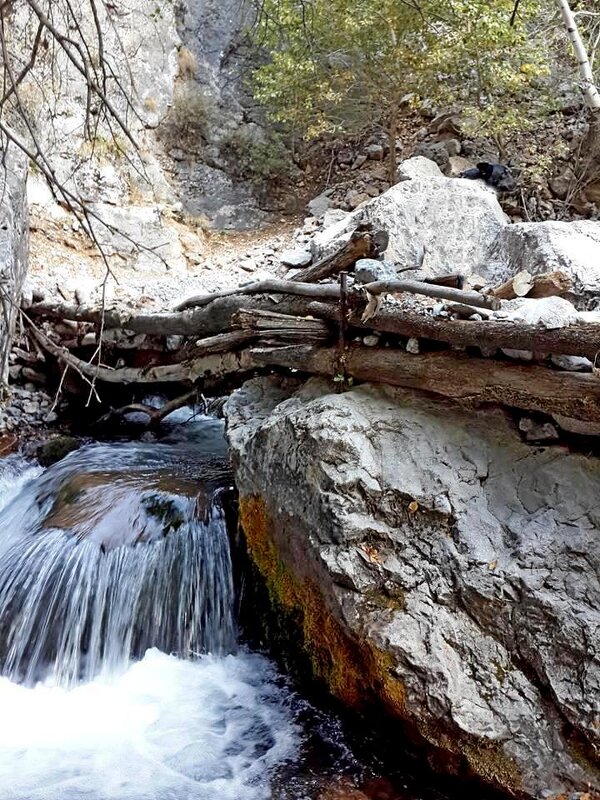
x: 342, y: 66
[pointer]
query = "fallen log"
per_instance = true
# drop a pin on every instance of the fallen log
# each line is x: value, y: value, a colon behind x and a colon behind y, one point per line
x: 362, y: 244
x: 580, y: 339
x: 451, y: 375
x: 208, y: 361
x: 548, y: 284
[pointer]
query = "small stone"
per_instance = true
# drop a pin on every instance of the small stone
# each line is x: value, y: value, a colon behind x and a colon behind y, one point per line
x: 56, y: 449
x: 355, y: 198
x: 359, y: 161
x: 371, y: 340
x: 372, y: 190
x: 319, y: 205
x: 296, y: 258
x: 368, y: 270
x: 375, y: 152
x: 412, y: 346
x: 538, y: 431
x: 572, y: 363
x: 173, y: 342
x: 476, y: 317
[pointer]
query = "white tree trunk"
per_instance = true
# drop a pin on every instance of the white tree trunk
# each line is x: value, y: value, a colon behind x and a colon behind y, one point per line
x: 591, y: 93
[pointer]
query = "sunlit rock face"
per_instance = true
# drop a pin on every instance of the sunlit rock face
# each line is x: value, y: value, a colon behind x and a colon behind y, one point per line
x: 178, y: 88
x: 436, y: 565
x: 14, y: 242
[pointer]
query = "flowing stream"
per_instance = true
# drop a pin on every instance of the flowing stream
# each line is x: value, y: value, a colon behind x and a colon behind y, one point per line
x: 121, y: 676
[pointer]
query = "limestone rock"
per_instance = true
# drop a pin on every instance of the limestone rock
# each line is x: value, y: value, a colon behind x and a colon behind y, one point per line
x: 130, y: 225
x: 455, y: 221
x: 418, y: 167
x: 318, y: 205
x: 296, y: 258
x: 571, y: 247
x: 436, y: 562
x: 368, y: 270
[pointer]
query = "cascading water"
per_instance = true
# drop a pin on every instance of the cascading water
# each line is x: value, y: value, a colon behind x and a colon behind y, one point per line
x: 121, y: 675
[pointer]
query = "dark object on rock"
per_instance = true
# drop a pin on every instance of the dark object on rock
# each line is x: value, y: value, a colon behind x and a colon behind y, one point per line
x: 56, y: 449
x: 497, y: 175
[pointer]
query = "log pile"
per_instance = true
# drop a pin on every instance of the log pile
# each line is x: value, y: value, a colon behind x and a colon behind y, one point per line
x: 321, y: 322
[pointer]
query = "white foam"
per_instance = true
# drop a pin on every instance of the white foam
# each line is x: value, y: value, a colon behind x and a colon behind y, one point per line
x: 166, y: 729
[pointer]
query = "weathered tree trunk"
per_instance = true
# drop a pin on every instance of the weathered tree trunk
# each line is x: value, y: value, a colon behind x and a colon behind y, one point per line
x: 591, y: 147
x: 590, y: 90
x: 452, y: 375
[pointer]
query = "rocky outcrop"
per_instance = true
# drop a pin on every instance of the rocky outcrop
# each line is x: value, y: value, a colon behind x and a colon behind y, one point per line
x: 571, y: 247
x: 14, y: 241
x: 435, y: 565
x: 447, y: 224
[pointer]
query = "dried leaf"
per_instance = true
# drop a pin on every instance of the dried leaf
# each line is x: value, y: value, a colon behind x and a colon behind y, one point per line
x: 413, y: 507
x: 493, y: 564
x: 372, y: 308
x: 372, y: 553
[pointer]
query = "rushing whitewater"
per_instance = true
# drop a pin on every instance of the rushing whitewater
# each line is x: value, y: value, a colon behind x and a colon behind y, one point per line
x: 122, y: 678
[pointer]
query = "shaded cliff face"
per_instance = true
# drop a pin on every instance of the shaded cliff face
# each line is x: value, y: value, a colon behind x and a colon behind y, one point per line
x: 436, y: 565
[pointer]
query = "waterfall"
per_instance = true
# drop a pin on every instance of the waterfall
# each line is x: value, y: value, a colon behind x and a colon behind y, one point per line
x: 106, y: 555
x: 121, y: 676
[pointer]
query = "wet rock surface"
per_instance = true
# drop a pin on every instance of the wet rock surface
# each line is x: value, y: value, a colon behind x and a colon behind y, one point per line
x: 436, y: 563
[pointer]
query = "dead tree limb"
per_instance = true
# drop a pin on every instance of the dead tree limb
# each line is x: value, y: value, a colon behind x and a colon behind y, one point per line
x: 326, y: 291
x: 431, y: 290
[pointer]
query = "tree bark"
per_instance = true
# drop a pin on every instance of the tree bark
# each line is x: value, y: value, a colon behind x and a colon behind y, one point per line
x: 458, y: 377
x: 590, y: 90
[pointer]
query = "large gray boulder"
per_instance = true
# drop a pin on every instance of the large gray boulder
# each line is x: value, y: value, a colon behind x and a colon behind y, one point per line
x: 14, y: 246
x: 572, y: 247
x: 437, y: 563
x: 453, y: 223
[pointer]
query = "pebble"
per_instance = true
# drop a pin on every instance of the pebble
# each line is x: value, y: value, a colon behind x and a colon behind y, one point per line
x: 371, y: 340
x: 412, y: 346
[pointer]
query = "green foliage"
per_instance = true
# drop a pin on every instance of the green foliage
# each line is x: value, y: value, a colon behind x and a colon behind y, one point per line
x: 265, y: 161
x: 341, y: 65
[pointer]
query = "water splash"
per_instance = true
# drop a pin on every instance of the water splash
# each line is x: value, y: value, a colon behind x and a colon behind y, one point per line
x: 166, y: 729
